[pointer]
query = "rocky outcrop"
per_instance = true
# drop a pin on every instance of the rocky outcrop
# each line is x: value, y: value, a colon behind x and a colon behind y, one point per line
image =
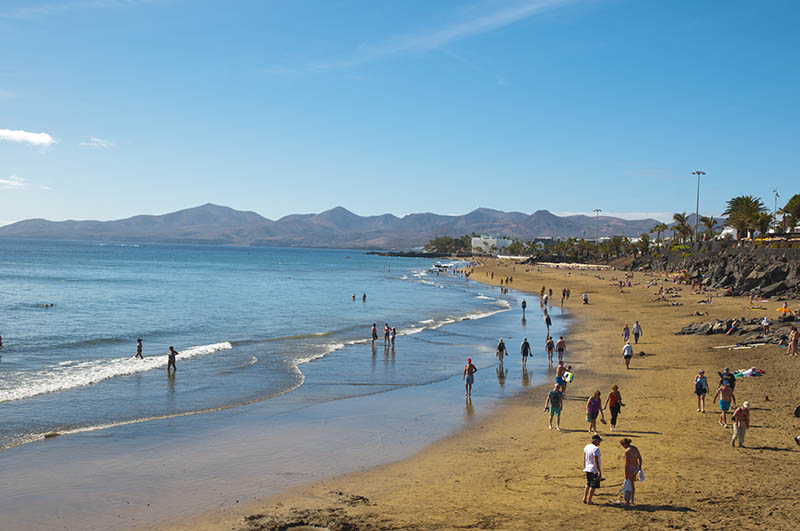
x: 764, y: 272
x: 748, y: 331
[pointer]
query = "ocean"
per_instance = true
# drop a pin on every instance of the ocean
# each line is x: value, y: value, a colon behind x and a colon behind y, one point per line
x: 272, y: 325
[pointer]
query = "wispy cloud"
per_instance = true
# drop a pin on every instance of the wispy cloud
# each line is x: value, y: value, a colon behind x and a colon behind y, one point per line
x: 36, y: 139
x: 98, y: 142
x: 53, y: 8
x: 13, y: 182
x: 432, y: 39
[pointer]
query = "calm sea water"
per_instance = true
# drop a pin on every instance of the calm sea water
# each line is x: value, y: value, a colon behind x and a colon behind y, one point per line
x: 250, y: 324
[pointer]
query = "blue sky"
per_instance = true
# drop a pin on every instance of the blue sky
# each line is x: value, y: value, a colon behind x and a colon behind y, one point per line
x: 111, y: 108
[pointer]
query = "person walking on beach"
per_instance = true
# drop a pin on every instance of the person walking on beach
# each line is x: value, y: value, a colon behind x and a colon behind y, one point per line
x: 563, y: 295
x: 525, y: 350
x: 139, y: 349
x: 725, y: 394
x: 501, y: 351
x: 727, y: 376
x: 626, y: 332
x: 553, y: 402
x: 591, y: 466
x: 633, y: 464
x: 637, y: 332
x: 741, y: 423
x: 374, y: 332
x: 793, y: 337
x: 614, y: 405
x: 560, y: 370
x: 627, y: 354
x: 561, y: 346
x: 585, y: 298
x: 524, y: 305
x: 593, y: 408
x: 701, y: 389
x: 171, y: 359
x: 547, y: 321
x: 549, y: 346
x: 469, y: 376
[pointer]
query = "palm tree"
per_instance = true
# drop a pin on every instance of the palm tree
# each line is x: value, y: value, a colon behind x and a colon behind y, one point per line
x: 658, y: 229
x: 791, y: 211
x: 741, y: 213
x: 681, y: 226
x: 761, y: 222
x: 644, y: 243
x: 708, y: 223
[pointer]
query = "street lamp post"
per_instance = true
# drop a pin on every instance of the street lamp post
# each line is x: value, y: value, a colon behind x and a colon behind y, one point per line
x: 697, y: 204
x: 596, y: 225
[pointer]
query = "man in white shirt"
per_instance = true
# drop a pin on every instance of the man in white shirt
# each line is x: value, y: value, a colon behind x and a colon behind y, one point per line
x: 591, y: 465
x: 627, y: 354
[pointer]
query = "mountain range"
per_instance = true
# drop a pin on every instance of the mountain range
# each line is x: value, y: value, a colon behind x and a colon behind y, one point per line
x: 335, y: 228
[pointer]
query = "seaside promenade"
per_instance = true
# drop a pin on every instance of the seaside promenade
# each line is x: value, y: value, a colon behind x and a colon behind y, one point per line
x: 511, y: 472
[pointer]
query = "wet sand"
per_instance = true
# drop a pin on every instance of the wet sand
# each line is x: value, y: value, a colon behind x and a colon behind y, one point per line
x: 510, y: 472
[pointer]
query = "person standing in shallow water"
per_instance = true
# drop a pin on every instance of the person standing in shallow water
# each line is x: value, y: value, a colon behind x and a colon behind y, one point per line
x: 374, y: 332
x: 469, y: 377
x: 171, y: 359
x: 139, y: 349
x: 525, y: 350
x: 549, y: 346
x: 501, y: 351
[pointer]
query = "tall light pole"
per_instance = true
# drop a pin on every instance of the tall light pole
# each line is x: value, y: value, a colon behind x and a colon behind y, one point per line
x: 775, y: 209
x: 697, y: 204
x: 596, y: 224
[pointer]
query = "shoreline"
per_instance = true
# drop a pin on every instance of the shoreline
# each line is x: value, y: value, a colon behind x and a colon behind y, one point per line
x: 511, y: 471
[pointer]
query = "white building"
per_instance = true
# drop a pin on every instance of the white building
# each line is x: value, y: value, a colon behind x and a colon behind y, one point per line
x: 490, y: 244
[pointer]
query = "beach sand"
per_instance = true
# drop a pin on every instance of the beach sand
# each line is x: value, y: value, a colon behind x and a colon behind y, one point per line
x: 511, y: 472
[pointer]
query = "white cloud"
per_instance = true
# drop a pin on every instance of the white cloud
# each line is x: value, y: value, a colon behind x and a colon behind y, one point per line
x: 98, y: 142
x: 434, y: 39
x: 37, y: 139
x: 13, y: 183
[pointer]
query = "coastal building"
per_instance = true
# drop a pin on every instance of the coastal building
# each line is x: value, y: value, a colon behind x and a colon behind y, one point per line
x: 489, y: 244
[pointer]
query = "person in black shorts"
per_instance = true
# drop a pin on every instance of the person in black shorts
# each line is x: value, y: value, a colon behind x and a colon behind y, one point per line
x: 525, y: 350
x: 594, y: 474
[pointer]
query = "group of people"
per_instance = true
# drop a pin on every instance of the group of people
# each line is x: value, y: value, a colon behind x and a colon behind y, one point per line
x: 389, y: 334
x: 725, y: 392
x: 171, y: 356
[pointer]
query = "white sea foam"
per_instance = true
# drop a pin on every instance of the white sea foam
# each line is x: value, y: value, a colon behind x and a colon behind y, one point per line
x: 426, y: 321
x: 62, y: 377
x: 333, y: 347
x: 484, y: 297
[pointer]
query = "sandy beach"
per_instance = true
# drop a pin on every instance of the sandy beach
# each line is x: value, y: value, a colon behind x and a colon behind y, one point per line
x: 511, y: 472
